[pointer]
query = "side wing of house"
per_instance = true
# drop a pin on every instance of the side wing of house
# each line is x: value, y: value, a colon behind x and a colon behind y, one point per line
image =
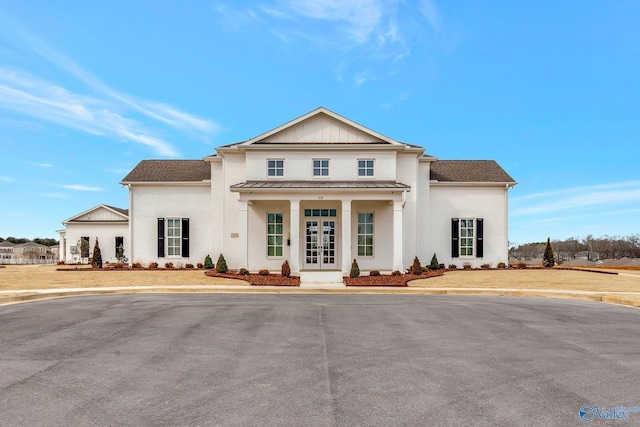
x: 108, y: 224
x: 170, y: 217
x: 468, y: 212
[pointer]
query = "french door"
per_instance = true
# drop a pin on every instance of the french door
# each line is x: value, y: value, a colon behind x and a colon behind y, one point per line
x: 320, y: 244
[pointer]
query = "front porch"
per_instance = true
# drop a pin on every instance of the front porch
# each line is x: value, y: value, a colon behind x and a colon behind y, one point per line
x: 321, y: 232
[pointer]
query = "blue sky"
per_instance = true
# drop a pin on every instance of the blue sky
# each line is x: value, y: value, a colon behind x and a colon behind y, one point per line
x: 551, y: 90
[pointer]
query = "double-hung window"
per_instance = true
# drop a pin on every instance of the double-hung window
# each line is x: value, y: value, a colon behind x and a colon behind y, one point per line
x: 274, y: 234
x: 321, y: 167
x: 365, y: 233
x: 174, y: 236
x: 467, y: 233
x: 365, y: 167
x: 275, y: 167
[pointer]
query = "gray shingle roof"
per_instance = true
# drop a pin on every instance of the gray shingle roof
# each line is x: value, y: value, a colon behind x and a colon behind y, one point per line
x: 266, y: 185
x: 122, y: 211
x: 170, y: 171
x: 469, y: 171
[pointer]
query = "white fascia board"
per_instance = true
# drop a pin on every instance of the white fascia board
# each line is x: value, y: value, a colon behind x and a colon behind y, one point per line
x: 130, y: 184
x: 93, y: 209
x: 318, y: 190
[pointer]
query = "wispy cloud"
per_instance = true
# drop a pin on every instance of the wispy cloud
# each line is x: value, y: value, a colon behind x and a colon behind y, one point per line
x: 42, y: 165
x: 6, y: 179
x: 80, y: 187
x: 350, y: 32
x: 604, y: 196
x: 105, y: 112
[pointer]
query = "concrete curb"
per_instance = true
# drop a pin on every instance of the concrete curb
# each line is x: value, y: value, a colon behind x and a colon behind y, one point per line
x: 631, y: 299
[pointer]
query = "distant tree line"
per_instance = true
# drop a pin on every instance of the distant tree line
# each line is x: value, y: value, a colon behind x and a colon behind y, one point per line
x: 591, y: 248
x: 17, y: 241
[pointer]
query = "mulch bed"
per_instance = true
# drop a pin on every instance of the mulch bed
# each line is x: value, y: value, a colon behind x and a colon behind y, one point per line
x: 389, y: 280
x: 257, y: 279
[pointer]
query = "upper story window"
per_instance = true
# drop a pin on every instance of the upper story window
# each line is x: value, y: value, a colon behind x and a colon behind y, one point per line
x: 275, y: 167
x: 365, y: 167
x: 320, y: 167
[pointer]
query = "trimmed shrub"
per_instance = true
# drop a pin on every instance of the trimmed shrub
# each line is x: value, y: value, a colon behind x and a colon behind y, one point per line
x: 425, y: 269
x: 243, y: 272
x: 466, y: 266
x: 434, y: 265
x: 208, y: 263
x: 200, y: 265
x: 416, y: 268
x: 189, y: 265
x: 453, y: 267
x: 96, y: 261
x: 548, y: 260
x: 221, y: 265
x: 374, y: 273
x: 355, y: 270
x: 153, y: 265
x: 136, y: 265
x: 502, y: 265
x: 396, y: 273
x: 168, y: 265
x: 285, y: 270
x: 263, y: 272
x: 485, y: 266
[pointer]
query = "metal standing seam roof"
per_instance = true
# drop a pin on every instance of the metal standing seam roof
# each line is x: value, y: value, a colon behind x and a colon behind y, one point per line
x: 268, y: 185
x: 170, y: 171
x: 469, y: 171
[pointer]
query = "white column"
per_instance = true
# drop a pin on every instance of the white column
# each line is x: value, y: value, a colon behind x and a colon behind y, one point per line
x: 294, y: 230
x: 243, y: 217
x: 346, y: 237
x: 397, y: 237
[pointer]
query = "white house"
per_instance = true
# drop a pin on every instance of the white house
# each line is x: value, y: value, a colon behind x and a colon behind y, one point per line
x: 318, y: 191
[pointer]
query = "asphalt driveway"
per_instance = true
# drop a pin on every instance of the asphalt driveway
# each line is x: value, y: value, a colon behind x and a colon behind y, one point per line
x: 315, y: 360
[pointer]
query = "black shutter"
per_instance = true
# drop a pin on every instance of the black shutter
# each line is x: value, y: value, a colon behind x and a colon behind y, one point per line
x: 185, y: 237
x: 160, y: 237
x: 455, y: 232
x: 480, y: 238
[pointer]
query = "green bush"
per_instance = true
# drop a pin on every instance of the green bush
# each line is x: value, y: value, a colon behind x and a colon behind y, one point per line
x: 502, y: 265
x: 168, y: 265
x: 396, y: 273
x: 208, y: 263
x: 548, y: 260
x: 221, y: 265
x: 374, y: 273
x: 243, y: 272
x: 434, y: 263
x: 153, y: 265
x: 189, y: 266
x: 453, y: 267
x: 96, y: 261
x: 263, y: 272
x: 355, y: 270
x: 416, y: 268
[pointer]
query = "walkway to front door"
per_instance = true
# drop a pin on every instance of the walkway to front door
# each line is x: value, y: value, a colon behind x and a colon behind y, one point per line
x: 320, y: 239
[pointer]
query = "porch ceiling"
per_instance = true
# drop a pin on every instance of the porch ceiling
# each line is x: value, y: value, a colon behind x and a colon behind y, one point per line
x: 318, y: 185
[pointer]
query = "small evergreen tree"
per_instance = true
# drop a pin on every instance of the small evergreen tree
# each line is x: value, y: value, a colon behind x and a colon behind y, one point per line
x: 208, y: 263
x: 285, y: 270
x: 221, y: 265
x: 355, y: 270
x: 416, y: 268
x: 96, y: 261
x: 434, y: 263
x: 548, y: 260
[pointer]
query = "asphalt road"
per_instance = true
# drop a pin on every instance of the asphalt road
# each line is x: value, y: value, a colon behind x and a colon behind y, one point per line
x: 315, y: 360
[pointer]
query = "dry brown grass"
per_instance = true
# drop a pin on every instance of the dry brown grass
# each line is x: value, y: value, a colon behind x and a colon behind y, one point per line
x: 46, y: 277
x: 535, y: 279
x: 26, y: 277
